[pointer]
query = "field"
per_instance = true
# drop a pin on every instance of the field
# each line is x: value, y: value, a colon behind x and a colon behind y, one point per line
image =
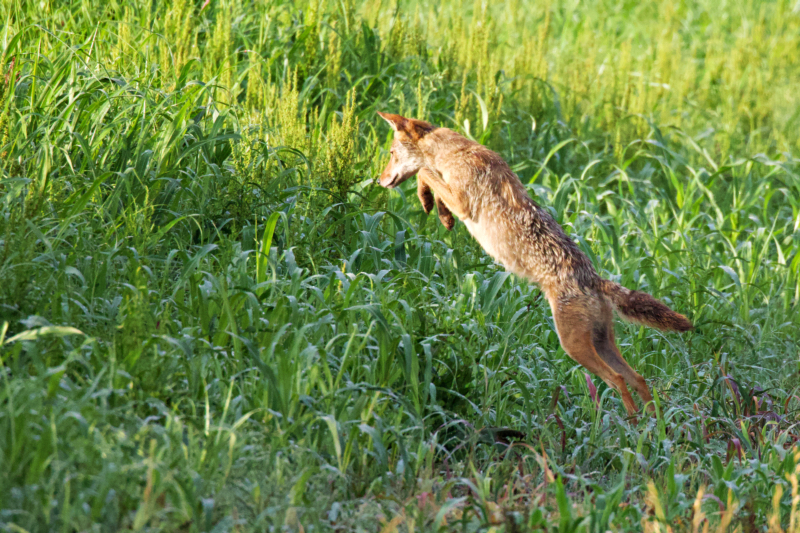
x: 213, y: 319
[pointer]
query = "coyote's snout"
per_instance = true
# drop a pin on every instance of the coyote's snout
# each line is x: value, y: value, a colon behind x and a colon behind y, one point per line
x: 476, y: 185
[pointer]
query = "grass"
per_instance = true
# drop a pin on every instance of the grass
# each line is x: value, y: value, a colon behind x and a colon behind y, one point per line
x: 213, y: 319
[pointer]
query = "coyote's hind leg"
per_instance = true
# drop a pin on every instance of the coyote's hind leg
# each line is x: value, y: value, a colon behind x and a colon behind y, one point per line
x: 575, y: 333
x: 606, y: 347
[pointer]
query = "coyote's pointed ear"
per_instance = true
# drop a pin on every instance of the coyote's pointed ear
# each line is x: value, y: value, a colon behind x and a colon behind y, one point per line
x: 397, y: 122
x: 411, y: 127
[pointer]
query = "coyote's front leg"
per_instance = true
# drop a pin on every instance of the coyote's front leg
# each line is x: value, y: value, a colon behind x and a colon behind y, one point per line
x: 424, y: 194
x: 426, y: 198
x: 448, y: 201
x: 445, y: 215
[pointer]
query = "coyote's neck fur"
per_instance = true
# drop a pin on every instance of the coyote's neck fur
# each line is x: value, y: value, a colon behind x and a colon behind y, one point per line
x: 503, y: 218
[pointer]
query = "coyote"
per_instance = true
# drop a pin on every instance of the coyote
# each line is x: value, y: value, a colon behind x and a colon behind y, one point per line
x: 476, y: 185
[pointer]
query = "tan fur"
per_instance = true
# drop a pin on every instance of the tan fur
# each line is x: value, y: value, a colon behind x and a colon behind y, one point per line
x: 477, y: 186
x: 426, y: 199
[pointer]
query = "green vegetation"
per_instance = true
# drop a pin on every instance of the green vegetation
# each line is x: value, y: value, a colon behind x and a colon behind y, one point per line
x: 213, y: 319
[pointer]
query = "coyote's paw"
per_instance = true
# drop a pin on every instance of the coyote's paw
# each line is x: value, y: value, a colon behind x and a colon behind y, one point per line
x: 445, y: 215
x: 425, y: 196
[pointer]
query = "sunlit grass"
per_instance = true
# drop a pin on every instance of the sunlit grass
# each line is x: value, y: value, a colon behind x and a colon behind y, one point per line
x: 212, y: 318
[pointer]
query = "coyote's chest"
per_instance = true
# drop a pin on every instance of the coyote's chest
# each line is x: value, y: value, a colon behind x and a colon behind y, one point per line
x: 485, y: 233
x: 516, y: 249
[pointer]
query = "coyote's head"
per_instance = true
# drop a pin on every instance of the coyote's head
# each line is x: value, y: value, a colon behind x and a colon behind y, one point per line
x: 406, y: 157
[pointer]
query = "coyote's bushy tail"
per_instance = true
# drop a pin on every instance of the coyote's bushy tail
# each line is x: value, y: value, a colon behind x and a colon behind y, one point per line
x: 642, y: 308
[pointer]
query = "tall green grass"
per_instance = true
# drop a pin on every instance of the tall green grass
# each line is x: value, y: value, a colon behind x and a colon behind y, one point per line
x: 213, y: 318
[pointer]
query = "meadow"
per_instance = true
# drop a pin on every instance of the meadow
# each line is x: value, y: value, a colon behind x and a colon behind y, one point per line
x: 213, y: 319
